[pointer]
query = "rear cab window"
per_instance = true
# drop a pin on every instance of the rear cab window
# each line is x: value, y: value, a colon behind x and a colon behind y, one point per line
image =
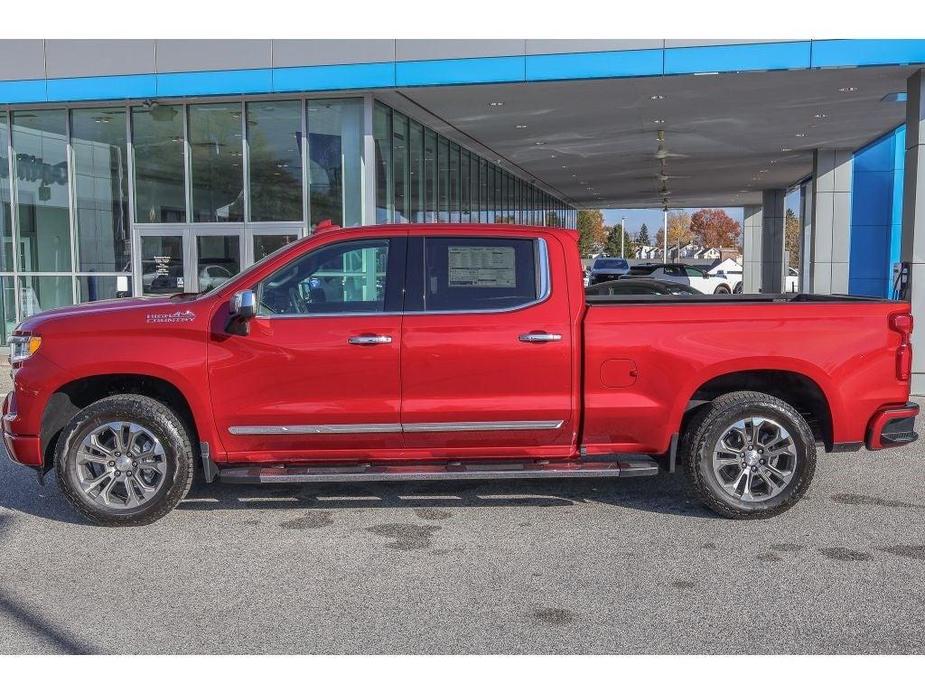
x: 477, y: 274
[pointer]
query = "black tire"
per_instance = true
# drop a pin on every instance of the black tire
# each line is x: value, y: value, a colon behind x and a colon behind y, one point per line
x: 721, y: 289
x: 738, y: 288
x: 154, y: 416
x: 711, y: 421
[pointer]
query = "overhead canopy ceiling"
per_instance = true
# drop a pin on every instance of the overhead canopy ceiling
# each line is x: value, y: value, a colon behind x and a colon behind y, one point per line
x: 728, y: 136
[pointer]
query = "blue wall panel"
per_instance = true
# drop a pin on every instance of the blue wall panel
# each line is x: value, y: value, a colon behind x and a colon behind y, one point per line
x: 876, y: 214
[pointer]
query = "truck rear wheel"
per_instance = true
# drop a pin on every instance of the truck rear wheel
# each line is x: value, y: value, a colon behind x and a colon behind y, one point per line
x: 748, y: 455
x: 124, y: 460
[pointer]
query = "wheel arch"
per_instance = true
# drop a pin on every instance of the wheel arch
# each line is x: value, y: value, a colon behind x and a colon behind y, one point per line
x: 73, y: 396
x: 797, y: 388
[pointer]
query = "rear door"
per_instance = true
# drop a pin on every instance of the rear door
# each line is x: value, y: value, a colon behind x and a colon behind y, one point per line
x: 486, y: 347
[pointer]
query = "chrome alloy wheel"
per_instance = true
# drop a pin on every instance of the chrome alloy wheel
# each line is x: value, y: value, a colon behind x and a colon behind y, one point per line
x: 120, y: 465
x: 754, y: 459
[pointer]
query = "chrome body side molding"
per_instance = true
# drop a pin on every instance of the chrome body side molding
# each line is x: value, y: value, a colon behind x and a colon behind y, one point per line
x: 435, y: 427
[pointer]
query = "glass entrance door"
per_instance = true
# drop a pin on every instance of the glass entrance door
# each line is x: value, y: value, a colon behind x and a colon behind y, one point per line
x: 185, y: 259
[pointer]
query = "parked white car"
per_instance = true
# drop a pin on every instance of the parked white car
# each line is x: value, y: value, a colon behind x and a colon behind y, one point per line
x: 683, y: 274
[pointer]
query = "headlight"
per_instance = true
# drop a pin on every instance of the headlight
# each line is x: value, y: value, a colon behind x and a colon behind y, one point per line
x: 23, y: 346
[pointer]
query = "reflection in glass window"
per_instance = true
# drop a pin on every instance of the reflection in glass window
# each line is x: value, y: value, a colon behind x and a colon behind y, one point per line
x: 382, y: 134
x: 162, y: 265
x: 218, y: 259
x: 99, y: 141
x: 464, y: 185
x: 99, y: 287
x: 430, y: 176
x: 342, y: 278
x: 400, y: 165
x: 264, y: 244
x: 40, y: 143
x: 274, y: 141
x: 6, y: 219
x: 474, y: 188
x: 40, y: 293
x: 483, y: 190
x: 217, y: 168
x: 416, y: 172
x: 453, y: 184
x: 157, y: 143
x: 335, y: 140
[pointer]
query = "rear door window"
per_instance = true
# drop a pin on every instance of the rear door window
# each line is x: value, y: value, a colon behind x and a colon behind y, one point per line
x: 480, y: 274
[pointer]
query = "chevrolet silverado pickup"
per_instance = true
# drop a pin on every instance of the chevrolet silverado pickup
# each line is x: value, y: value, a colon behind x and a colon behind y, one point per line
x: 449, y: 352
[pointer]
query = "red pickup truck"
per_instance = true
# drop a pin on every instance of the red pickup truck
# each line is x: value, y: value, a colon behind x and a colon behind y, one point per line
x: 443, y: 352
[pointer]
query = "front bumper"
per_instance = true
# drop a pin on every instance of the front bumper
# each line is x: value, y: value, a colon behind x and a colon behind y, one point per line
x: 25, y: 450
x: 892, y: 426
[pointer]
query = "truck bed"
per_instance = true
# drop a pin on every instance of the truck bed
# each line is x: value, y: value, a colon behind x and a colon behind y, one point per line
x: 736, y: 299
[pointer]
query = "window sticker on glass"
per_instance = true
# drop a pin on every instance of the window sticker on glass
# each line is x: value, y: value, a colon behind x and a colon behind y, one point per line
x: 481, y: 266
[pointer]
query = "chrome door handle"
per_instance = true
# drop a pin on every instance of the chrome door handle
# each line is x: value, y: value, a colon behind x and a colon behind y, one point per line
x: 540, y: 337
x: 369, y: 340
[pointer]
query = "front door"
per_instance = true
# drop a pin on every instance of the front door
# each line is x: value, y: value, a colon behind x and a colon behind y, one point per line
x: 317, y: 377
x: 486, y: 348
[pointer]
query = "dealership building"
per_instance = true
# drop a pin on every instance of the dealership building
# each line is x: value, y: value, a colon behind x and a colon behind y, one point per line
x: 143, y: 167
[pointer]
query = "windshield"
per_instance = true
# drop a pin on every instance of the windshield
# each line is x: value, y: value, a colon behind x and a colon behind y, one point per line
x: 610, y: 264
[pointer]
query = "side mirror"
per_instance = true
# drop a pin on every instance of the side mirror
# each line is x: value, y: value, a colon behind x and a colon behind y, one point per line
x: 241, y: 308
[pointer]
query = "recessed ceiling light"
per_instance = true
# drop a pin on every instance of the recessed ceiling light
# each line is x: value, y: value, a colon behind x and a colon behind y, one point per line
x: 763, y: 171
x: 496, y: 104
x: 800, y: 135
x: 847, y: 89
x: 657, y: 97
x: 786, y: 149
x: 539, y: 144
x: 552, y: 156
x: 821, y: 115
x: 520, y: 126
x: 658, y: 121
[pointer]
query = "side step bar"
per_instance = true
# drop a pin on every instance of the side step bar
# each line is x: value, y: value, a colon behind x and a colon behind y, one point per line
x: 291, y: 474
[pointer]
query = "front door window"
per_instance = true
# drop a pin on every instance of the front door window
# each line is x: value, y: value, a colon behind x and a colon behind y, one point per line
x: 162, y: 265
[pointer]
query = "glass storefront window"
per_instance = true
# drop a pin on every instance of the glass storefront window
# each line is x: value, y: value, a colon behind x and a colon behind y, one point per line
x: 464, y: 186
x: 43, y: 215
x: 100, y: 144
x: 453, y: 184
x: 443, y: 176
x: 483, y: 191
x: 264, y: 244
x: 430, y: 176
x: 157, y: 144
x: 335, y: 144
x: 217, y: 163
x: 382, y: 134
x: 162, y: 269
x: 400, y: 165
x: 6, y: 211
x: 416, y: 172
x: 274, y: 142
x: 218, y: 259
x: 474, y: 188
x: 39, y: 293
x: 7, y: 308
x: 99, y: 287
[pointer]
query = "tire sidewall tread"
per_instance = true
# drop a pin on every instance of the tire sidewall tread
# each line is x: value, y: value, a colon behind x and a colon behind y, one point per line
x: 152, y: 414
x: 699, y: 436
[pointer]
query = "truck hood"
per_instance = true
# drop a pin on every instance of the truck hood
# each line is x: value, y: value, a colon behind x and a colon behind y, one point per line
x: 165, y: 305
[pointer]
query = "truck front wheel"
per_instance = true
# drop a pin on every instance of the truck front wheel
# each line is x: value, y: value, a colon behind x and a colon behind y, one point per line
x: 748, y: 455
x: 124, y: 460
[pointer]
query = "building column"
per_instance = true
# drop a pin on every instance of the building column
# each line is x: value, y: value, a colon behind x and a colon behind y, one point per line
x: 913, y: 235
x: 806, y: 234
x: 368, y: 162
x: 751, y: 249
x: 772, y: 241
x: 830, y: 233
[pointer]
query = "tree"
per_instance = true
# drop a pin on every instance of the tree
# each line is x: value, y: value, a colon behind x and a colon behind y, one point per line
x: 643, y: 237
x: 715, y: 229
x: 679, y: 230
x: 792, y: 238
x: 619, y: 243
x: 591, y: 234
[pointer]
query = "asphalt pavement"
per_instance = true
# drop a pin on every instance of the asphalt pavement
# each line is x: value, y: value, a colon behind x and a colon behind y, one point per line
x: 617, y: 566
